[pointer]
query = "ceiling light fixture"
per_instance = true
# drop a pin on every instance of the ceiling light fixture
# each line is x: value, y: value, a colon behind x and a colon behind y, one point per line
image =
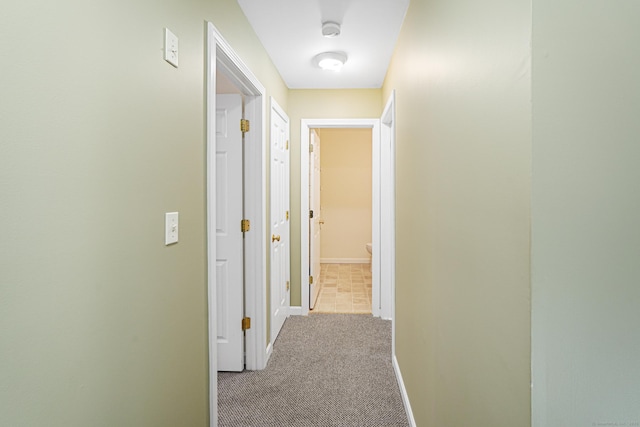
x: 331, y: 61
x: 330, y: 29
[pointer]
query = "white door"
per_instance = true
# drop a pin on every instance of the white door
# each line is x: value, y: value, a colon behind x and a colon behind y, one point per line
x: 314, y: 223
x: 229, y: 239
x: 280, y: 275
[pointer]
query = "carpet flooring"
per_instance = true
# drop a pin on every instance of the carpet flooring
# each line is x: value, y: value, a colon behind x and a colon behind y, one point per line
x: 325, y: 370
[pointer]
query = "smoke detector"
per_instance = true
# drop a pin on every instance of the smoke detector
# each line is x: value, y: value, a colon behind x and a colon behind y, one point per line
x: 330, y: 29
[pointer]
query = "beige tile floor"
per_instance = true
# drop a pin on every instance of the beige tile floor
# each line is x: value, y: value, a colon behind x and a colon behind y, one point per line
x: 344, y: 288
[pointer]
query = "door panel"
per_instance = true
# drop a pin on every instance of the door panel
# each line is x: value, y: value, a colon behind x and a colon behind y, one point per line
x: 280, y: 294
x: 314, y: 223
x: 229, y: 241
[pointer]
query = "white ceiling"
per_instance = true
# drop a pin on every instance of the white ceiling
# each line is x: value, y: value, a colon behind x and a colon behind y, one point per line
x: 291, y: 32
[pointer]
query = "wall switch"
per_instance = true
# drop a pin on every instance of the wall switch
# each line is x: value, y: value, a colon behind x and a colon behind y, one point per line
x: 171, y: 228
x: 170, y: 48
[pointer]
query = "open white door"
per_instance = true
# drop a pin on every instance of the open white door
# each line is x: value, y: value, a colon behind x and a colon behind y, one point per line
x: 315, y: 220
x: 229, y: 244
x: 280, y: 274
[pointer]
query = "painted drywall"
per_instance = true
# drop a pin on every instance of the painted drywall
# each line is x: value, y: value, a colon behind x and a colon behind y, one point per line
x: 319, y: 104
x: 345, y: 197
x: 461, y: 71
x: 586, y: 205
x: 101, y: 324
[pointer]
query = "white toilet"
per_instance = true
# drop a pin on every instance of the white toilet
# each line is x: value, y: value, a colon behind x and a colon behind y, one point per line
x: 369, y: 246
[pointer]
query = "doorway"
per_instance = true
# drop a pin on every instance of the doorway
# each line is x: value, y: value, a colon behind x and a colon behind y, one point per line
x: 340, y: 223
x: 222, y: 58
x: 305, y: 131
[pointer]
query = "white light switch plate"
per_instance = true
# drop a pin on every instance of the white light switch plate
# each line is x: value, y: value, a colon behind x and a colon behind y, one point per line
x: 170, y: 48
x: 171, y: 228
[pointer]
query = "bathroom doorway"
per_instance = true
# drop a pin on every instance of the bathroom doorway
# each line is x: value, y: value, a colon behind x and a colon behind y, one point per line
x: 340, y: 220
x: 381, y: 225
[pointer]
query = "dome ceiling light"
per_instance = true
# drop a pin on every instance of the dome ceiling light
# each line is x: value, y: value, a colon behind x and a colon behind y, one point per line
x: 331, y: 61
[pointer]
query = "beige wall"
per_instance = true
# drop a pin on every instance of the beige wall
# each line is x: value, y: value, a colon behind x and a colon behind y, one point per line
x: 101, y: 324
x: 586, y: 206
x: 346, y: 193
x: 461, y: 70
x: 319, y: 104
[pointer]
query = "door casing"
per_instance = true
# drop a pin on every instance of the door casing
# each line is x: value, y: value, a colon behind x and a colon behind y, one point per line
x: 374, y: 125
x: 221, y: 57
x: 388, y: 210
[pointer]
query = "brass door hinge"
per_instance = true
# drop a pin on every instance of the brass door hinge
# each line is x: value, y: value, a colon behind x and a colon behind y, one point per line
x: 310, y: 214
x: 311, y: 280
x: 311, y: 148
x: 246, y: 323
x: 287, y: 285
x: 286, y: 147
x: 287, y: 215
x: 245, y: 225
x: 244, y: 125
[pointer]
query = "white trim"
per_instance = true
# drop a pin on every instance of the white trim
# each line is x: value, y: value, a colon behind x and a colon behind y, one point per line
x: 388, y: 209
x: 305, y: 125
x: 211, y: 221
x: 220, y: 54
x: 345, y: 260
x: 403, y: 392
x: 295, y: 311
x: 391, y: 108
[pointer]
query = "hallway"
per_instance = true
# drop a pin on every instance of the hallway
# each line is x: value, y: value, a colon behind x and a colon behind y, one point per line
x: 325, y: 370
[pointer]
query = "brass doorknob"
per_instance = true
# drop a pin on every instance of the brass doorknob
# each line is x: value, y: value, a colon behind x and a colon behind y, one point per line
x: 274, y: 238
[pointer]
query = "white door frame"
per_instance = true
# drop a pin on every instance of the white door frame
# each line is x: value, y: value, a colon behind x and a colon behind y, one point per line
x: 220, y: 53
x: 305, y: 126
x: 388, y: 210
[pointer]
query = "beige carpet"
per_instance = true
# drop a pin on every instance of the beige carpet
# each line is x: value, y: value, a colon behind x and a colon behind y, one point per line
x: 325, y: 370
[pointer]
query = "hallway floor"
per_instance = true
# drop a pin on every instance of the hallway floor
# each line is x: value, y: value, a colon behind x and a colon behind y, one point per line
x: 325, y: 370
x: 344, y: 288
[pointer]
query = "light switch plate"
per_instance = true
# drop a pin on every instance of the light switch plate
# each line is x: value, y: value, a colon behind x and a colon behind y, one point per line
x: 171, y: 228
x: 170, y: 47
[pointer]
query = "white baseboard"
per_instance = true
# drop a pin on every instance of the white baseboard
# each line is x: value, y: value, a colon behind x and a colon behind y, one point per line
x: 345, y: 260
x: 295, y: 311
x: 403, y: 393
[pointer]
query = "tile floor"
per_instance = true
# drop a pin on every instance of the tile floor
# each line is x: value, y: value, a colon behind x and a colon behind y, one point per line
x: 344, y: 288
